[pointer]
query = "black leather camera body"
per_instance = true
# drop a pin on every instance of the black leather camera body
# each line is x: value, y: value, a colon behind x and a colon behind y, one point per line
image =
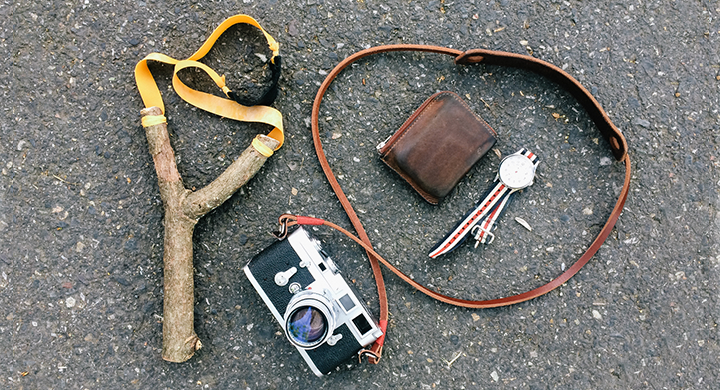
x: 320, y: 313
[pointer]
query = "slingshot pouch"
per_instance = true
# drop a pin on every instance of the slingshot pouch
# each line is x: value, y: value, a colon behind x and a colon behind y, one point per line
x: 438, y: 145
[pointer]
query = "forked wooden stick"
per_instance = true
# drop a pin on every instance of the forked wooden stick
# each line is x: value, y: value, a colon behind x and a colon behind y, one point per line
x: 183, y: 209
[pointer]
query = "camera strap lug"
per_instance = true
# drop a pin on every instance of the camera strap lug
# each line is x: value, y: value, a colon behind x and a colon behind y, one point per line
x: 373, y: 357
x: 285, y: 221
x: 288, y: 220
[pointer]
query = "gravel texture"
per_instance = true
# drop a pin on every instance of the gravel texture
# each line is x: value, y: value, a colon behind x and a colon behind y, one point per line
x: 81, y: 217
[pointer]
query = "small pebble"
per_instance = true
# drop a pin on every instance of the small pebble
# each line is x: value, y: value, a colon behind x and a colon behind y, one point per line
x: 121, y: 280
x: 642, y: 122
x: 292, y: 29
x: 523, y: 223
x: 70, y: 302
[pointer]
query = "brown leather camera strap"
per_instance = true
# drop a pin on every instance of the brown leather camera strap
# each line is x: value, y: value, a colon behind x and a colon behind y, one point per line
x: 615, y: 138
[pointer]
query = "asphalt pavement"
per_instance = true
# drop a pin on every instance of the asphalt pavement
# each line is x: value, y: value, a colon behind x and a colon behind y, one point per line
x: 81, y: 232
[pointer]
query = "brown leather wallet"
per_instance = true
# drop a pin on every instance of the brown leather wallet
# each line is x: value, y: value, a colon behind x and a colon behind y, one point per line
x: 438, y: 145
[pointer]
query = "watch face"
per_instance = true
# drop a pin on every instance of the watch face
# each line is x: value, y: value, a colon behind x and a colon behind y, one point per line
x: 517, y: 171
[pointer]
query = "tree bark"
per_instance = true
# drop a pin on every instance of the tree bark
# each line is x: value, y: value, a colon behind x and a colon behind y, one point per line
x: 183, y: 209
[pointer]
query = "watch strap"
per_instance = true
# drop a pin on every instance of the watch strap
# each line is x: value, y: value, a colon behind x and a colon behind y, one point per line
x: 530, y: 155
x: 483, y: 228
x: 459, y: 233
x: 479, y: 221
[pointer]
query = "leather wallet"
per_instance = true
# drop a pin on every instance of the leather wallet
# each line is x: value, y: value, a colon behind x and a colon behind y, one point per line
x: 438, y: 145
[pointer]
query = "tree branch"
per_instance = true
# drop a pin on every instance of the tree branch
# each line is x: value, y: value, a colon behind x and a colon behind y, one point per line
x: 183, y: 208
x: 235, y: 176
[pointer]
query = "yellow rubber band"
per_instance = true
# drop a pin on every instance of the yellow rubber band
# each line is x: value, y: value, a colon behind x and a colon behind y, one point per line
x: 226, y: 108
x: 261, y: 147
x: 152, y: 120
x: 275, y: 47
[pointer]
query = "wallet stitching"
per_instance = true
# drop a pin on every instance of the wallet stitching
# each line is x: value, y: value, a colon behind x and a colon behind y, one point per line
x: 477, y: 117
x: 407, y: 130
x: 413, y: 184
x: 410, y: 122
x: 480, y: 121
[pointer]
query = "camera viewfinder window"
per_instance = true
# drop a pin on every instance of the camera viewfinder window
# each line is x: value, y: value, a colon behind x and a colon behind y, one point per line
x: 347, y: 302
x: 362, y: 324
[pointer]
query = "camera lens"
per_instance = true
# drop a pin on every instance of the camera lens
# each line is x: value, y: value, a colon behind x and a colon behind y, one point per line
x: 309, y: 319
x: 306, y: 326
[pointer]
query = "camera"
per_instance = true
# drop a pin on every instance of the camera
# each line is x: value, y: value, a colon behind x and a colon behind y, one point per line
x: 320, y: 313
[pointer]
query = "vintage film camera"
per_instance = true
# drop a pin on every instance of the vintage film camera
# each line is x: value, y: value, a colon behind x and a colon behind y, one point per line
x: 322, y: 316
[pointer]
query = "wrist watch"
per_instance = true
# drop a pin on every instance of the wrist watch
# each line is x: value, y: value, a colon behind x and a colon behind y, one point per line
x: 516, y: 171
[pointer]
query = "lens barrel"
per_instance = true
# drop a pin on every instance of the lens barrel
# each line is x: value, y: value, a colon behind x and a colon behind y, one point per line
x: 308, y: 320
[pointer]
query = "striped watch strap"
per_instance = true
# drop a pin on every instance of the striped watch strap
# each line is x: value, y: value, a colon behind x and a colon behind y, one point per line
x: 479, y: 221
